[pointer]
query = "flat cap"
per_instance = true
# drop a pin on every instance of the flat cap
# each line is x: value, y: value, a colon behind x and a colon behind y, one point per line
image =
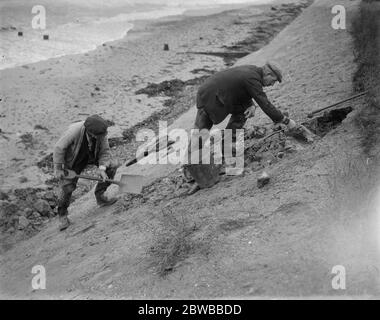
x: 96, y: 125
x: 275, y: 70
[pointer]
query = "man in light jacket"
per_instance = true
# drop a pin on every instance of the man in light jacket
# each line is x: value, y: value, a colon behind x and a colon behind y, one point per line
x: 83, y: 143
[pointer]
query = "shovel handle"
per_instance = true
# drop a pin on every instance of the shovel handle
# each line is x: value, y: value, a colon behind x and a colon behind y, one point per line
x: 70, y: 174
x: 96, y: 179
x: 311, y: 114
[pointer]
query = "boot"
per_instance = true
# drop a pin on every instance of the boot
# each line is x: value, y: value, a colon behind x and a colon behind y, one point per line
x: 195, y: 188
x: 64, y: 222
x: 103, y: 201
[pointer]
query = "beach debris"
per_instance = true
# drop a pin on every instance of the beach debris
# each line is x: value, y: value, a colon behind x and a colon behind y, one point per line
x: 255, y: 132
x: 328, y: 121
x: 28, y: 212
x: 166, y: 47
x: 168, y: 87
x: 3, y: 195
x: 43, y: 208
x: 23, y: 179
x: 263, y: 179
x: 301, y: 133
x: 22, y: 223
x: 20, y: 33
x: 46, y: 37
x: 40, y: 127
x: 27, y: 140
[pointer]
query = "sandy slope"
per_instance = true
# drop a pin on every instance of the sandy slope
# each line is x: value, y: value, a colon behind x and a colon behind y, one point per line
x: 235, y: 239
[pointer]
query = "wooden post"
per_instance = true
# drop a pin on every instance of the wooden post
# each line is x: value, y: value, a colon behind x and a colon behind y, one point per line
x: 20, y: 34
x: 46, y: 37
x: 166, y: 47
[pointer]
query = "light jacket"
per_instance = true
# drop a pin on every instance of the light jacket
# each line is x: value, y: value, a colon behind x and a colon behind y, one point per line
x: 67, y: 148
x: 231, y: 92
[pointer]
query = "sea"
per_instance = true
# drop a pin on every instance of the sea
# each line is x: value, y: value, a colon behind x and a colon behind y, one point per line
x: 31, y: 32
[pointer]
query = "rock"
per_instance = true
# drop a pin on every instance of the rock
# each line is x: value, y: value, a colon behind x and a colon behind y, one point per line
x: 11, y: 230
x: 289, y: 147
x: 22, y: 223
x: 43, y: 207
x: 28, y: 212
x: 263, y: 180
x: 7, y: 209
x: 3, y: 196
x: 23, y: 179
x: 36, y: 215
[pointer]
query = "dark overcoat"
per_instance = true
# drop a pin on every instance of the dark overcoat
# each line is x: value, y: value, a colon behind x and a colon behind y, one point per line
x: 231, y: 92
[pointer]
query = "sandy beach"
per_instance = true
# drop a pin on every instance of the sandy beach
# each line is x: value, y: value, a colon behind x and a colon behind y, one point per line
x: 38, y: 101
x: 236, y: 239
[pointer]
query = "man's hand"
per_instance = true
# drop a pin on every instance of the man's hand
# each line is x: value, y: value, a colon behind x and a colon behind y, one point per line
x: 59, y: 174
x: 291, y: 125
x: 102, y: 173
x: 250, y: 112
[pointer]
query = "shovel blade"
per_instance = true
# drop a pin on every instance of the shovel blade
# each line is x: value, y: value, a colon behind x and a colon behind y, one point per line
x: 131, y: 183
x: 205, y: 175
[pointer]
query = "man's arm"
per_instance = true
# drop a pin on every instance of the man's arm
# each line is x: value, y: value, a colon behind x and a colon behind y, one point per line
x: 104, y: 152
x: 60, y: 150
x: 256, y: 92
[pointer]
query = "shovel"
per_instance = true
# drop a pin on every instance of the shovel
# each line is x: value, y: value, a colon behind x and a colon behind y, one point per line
x: 129, y: 183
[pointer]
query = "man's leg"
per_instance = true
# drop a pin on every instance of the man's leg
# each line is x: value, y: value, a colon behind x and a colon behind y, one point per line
x: 237, y: 121
x: 66, y: 189
x: 101, y: 187
x: 202, y: 121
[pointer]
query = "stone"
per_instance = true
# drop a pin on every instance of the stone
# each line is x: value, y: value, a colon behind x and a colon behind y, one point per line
x: 8, y: 209
x: 28, y: 212
x: 11, y: 230
x: 263, y: 180
x: 36, y: 215
x: 42, y: 207
x: 49, y: 195
x: 22, y: 223
x: 3, y: 195
x: 23, y: 179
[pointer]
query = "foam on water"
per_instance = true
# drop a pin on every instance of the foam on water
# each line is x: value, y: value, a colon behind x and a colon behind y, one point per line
x: 73, y: 35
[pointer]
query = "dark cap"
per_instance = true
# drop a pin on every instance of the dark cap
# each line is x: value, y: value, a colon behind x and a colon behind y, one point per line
x: 96, y: 125
x: 276, y: 71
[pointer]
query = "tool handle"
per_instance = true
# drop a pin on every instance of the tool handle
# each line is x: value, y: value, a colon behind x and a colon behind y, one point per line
x: 70, y: 174
x: 82, y: 176
x: 310, y: 115
x: 146, y: 153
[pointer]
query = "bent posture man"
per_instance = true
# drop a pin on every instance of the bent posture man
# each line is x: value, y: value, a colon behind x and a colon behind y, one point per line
x: 231, y: 92
x: 83, y: 143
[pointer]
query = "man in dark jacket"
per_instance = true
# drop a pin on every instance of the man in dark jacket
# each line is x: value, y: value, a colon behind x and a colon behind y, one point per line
x: 231, y: 92
x: 83, y: 143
